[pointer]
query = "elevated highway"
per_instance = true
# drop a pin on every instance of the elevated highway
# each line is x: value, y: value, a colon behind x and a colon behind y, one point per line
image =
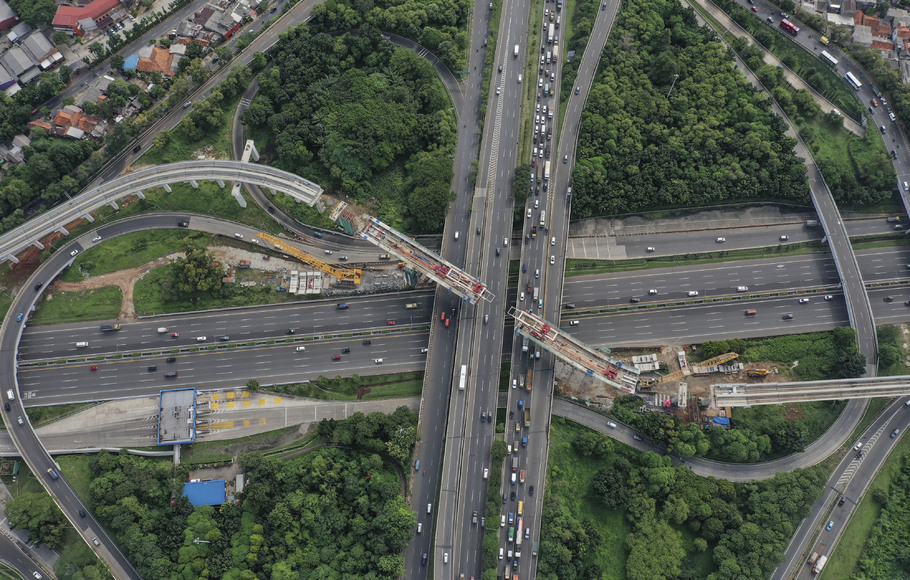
x: 749, y: 394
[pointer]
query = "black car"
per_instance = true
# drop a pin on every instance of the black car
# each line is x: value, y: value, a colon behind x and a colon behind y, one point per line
x: 152, y: 369
x: 841, y: 502
x: 367, y: 342
x: 81, y: 513
x: 512, y: 496
x: 505, y: 498
x: 423, y: 559
x: 6, y: 406
x: 271, y: 209
x: 345, y: 350
x: 570, y: 305
x: 290, y: 331
x: 171, y: 359
x: 137, y: 148
x: 788, y: 316
x: 183, y: 224
x: 224, y: 338
x: 634, y: 300
x: 531, y: 490
x: 38, y: 286
x: 889, y: 298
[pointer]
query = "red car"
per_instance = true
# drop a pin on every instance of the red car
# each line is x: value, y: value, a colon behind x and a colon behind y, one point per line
x: 336, y: 357
x: 94, y: 368
x: 755, y: 9
x: 392, y: 323
x: 175, y: 335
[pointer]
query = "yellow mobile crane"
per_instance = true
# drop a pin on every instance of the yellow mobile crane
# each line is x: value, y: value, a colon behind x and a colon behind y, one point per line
x: 676, y: 375
x: 351, y: 275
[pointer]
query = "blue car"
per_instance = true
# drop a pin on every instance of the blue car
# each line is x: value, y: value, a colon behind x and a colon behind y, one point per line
x: 830, y: 525
x: 20, y: 317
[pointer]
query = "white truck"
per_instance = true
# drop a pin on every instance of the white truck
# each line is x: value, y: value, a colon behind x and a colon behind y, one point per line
x: 515, y: 53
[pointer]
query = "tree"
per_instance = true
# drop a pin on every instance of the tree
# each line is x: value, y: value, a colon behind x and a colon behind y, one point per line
x: 259, y: 61
x: 224, y: 53
x: 196, y: 69
x: 252, y: 385
x: 117, y: 61
x: 197, y: 272
x: 38, y: 514
x: 61, y: 38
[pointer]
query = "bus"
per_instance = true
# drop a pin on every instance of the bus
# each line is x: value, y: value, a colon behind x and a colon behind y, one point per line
x: 828, y: 59
x: 464, y: 377
x: 543, y: 222
x: 789, y: 27
x: 520, y: 533
x: 854, y: 82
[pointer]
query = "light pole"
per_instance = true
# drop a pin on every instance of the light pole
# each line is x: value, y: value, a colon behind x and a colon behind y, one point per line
x: 672, y: 85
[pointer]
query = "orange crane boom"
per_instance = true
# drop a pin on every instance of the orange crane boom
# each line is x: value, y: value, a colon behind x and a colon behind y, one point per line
x: 676, y: 375
x: 352, y: 274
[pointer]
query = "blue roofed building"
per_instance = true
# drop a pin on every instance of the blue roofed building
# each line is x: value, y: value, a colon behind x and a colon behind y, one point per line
x: 130, y: 62
x: 210, y: 492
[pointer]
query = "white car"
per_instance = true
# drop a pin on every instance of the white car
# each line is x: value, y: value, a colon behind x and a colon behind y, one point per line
x: 742, y: 288
x: 502, y: 522
x: 96, y: 239
x: 74, y: 252
x: 829, y: 297
x: 529, y: 212
x: 301, y: 348
x: 552, y: 259
x: 720, y: 240
x: 652, y: 292
x: 649, y: 249
x: 486, y: 472
x: 377, y: 361
x: 803, y: 300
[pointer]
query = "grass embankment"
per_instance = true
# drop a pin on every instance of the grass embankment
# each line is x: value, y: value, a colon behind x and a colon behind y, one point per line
x: 569, y: 475
x: 176, y: 145
x: 78, y: 305
x: 357, y: 388
x: 125, y: 252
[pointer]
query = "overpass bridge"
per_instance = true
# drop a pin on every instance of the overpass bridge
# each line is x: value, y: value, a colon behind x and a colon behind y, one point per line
x: 748, y: 394
x: 404, y: 248
x: 574, y: 352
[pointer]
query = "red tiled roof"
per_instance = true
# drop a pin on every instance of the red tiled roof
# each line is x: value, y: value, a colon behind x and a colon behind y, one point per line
x: 858, y: 17
x: 70, y: 15
x: 903, y: 32
x: 878, y: 45
x: 159, y: 61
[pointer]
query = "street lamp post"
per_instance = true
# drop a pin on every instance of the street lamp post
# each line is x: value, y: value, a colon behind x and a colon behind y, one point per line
x: 672, y: 85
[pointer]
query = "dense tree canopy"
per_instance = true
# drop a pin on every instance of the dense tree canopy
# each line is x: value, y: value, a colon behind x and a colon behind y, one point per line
x: 329, y: 513
x: 713, y: 140
x: 37, y: 513
x: 364, y: 118
x: 673, y: 515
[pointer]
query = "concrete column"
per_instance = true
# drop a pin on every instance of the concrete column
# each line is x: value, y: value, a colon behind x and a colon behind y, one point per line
x: 166, y: 188
x: 272, y: 189
x: 235, y: 191
x: 63, y: 231
x: 194, y: 184
x: 38, y: 245
x: 249, y: 150
x: 114, y: 205
x: 140, y: 195
x: 89, y: 217
x: 220, y: 183
x: 13, y: 258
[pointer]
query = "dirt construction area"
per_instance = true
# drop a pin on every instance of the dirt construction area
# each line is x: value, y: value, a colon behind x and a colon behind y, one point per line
x: 271, y: 271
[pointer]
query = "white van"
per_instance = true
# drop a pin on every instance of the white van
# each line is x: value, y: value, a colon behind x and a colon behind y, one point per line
x: 553, y: 241
x: 81, y: 344
x: 691, y: 293
x: 456, y: 236
x: 611, y: 424
x: 162, y: 329
x: 519, y: 78
x: 201, y: 338
x: 377, y: 361
x: 238, y: 236
x: 10, y: 395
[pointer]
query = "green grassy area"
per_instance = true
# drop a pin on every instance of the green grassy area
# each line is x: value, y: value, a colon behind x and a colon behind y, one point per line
x: 569, y: 475
x: 373, y: 387
x: 128, y: 251
x: 74, y: 306
x: 76, y: 470
x: 817, y: 417
x: 529, y: 94
x: 179, y: 147
x: 39, y: 416
x: 216, y: 451
x: 842, y: 563
x: 156, y: 294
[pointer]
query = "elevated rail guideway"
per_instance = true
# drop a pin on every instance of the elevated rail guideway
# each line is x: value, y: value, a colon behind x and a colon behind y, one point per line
x: 748, y: 394
x: 574, y: 352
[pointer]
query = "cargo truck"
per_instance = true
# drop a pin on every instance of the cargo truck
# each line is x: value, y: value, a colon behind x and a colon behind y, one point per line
x: 819, y: 564
x: 534, y: 549
x: 527, y: 416
x: 243, y: 264
x: 811, y: 223
x: 550, y: 35
x: 521, y: 532
x: 555, y: 53
x: 528, y: 382
x: 515, y: 52
x: 814, y: 556
x: 524, y: 344
x: 110, y: 327
x: 546, y: 171
x: 536, y: 292
x: 511, y: 534
x: 515, y: 460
